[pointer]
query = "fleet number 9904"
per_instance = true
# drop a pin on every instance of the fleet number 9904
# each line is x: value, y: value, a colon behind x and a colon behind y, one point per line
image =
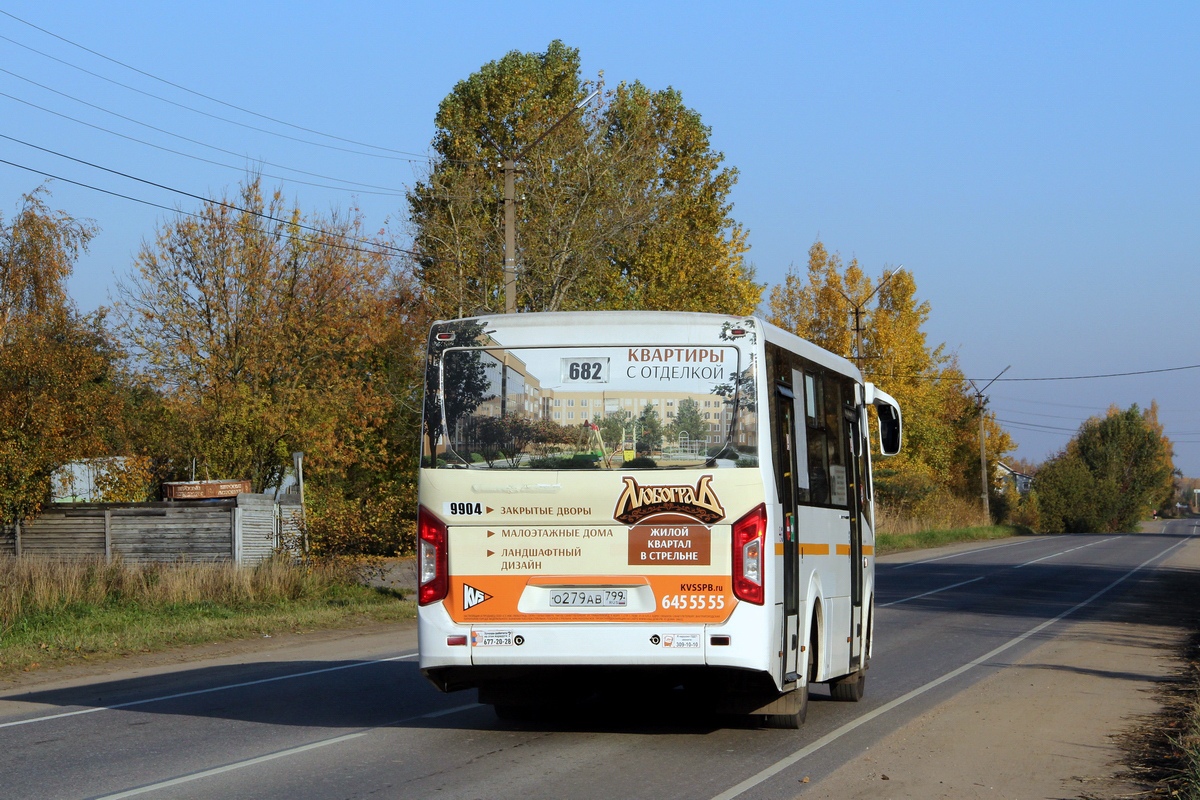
x: 463, y: 509
x: 693, y: 601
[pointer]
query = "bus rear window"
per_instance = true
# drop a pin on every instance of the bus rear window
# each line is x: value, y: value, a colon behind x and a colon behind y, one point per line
x: 604, y: 407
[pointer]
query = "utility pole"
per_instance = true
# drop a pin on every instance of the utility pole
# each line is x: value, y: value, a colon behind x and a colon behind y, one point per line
x: 980, y: 402
x: 510, y: 236
x: 509, y: 166
x: 858, y: 307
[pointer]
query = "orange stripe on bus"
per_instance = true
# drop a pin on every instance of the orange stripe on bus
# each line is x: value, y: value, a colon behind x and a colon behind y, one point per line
x: 813, y: 549
x: 868, y: 549
x: 843, y: 549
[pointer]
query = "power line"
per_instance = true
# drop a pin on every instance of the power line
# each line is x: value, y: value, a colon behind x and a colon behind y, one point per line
x: 1036, y: 426
x: 354, y: 187
x: 214, y: 99
x: 1047, y: 403
x: 139, y: 122
x: 196, y: 110
x: 1034, y: 414
x: 1105, y: 375
x: 943, y: 376
x: 373, y: 246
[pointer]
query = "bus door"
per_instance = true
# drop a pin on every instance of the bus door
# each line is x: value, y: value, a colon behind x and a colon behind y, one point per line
x: 855, y: 497
x: 786, y: 474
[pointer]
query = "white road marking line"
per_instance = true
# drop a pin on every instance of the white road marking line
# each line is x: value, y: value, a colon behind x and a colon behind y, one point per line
x: 250, y: 762
x: 935, y: 591
x: 968, y: 553
x: 833, y: 736
x: 1018, y: 566
x: 195, y: 692
x: 1064, y: 552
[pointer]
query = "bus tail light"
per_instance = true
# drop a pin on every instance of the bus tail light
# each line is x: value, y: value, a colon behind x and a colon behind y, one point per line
x: 749, y: 537
x: 432, y: 561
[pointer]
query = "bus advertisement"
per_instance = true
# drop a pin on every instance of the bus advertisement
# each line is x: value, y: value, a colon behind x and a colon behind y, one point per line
x: 616, y: 501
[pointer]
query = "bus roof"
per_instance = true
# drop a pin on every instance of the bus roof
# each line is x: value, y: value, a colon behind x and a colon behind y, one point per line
x: 634, y: 327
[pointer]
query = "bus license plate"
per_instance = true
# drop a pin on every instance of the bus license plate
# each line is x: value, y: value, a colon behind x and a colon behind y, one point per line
x: 590, y: 598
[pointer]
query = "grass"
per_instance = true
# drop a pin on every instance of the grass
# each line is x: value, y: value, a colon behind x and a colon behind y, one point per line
x: 897, y: 542
x: 55, y: 612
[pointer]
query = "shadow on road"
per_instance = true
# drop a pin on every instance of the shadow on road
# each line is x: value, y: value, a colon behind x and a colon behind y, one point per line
x: 358, y: 694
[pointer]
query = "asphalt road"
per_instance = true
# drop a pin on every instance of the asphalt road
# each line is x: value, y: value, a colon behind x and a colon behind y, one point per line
x: 351, y: 717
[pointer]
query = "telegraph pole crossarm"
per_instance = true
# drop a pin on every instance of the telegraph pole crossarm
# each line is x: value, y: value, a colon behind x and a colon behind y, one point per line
x: 858, y: 307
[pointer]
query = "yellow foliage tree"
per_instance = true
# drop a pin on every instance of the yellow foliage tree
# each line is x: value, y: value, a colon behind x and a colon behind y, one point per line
x: 941, y: 423
x: 60, y: 389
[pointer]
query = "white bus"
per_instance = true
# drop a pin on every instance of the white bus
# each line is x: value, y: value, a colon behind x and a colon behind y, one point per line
x: 574, y: 536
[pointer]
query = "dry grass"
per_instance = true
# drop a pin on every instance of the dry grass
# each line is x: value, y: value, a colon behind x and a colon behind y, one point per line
x: 56, y: 610
x: 33, y: 586
x: 946, y: 512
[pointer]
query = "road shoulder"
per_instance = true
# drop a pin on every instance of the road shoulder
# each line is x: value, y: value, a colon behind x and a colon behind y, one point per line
x: 1047, y: 726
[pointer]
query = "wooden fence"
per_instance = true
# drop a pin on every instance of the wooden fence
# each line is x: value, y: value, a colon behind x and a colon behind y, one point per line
x: 246, y: 530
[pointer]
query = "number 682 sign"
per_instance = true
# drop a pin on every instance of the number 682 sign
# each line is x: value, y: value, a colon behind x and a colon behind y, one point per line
x: 585, y: 370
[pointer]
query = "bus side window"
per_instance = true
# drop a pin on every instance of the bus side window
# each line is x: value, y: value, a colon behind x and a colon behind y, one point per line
x: 835, y: 441
x: 800, y: 383
x: 818, y: 464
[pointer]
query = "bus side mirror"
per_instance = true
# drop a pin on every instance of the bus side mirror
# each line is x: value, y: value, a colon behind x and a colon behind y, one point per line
x: 890, y: 420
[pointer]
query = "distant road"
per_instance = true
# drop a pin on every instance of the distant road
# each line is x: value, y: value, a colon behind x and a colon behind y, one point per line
x: 351, y: 717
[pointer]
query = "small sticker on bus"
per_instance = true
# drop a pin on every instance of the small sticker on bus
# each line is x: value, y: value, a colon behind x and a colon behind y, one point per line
x: 491, y: 638
x: 678, y: 641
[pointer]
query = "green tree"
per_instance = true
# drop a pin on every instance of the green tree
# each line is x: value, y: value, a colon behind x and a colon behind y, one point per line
x: 612, y: 430
x: 1111, y: 475
x: 622, y: 205
x: 1065, y: 492
x: 687, y: 418
x: 60, y: 387
x: 649, y: 430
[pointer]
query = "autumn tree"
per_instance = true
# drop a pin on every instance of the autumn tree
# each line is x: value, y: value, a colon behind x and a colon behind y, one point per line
x: 1114, y: 472
x: 941, y: 421
x: 815, y: 305
x: 622, y: 204
x: 60, y: 388
x: 262, y: 329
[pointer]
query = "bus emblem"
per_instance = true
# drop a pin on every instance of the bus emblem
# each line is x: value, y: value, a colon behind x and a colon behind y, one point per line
x: 473, y: 597
x: 638, y: 502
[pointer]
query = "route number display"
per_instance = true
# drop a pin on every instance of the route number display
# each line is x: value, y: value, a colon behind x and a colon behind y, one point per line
x: 585, y: 370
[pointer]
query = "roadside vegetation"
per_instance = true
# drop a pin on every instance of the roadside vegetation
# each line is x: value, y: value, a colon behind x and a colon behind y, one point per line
x: 898, y: 542
x: 54, y: 612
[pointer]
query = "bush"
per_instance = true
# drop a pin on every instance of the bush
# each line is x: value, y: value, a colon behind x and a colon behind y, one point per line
x: 641, y: 462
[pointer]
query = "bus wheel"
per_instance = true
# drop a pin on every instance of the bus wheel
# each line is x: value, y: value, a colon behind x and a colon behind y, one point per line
x: 796, y: 705
x: 850, y: 689
x: 797, y: 701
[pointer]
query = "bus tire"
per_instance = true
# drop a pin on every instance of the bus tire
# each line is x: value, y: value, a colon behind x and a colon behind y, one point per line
x: 793, y: 719
x: 790, y: 720
x: 850, y: 689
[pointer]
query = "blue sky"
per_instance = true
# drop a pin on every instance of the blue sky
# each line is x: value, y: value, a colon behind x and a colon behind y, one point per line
x: 1034, y: 164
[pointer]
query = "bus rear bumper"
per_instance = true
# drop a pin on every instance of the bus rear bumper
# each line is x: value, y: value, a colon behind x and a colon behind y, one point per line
x: 457, y: 656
